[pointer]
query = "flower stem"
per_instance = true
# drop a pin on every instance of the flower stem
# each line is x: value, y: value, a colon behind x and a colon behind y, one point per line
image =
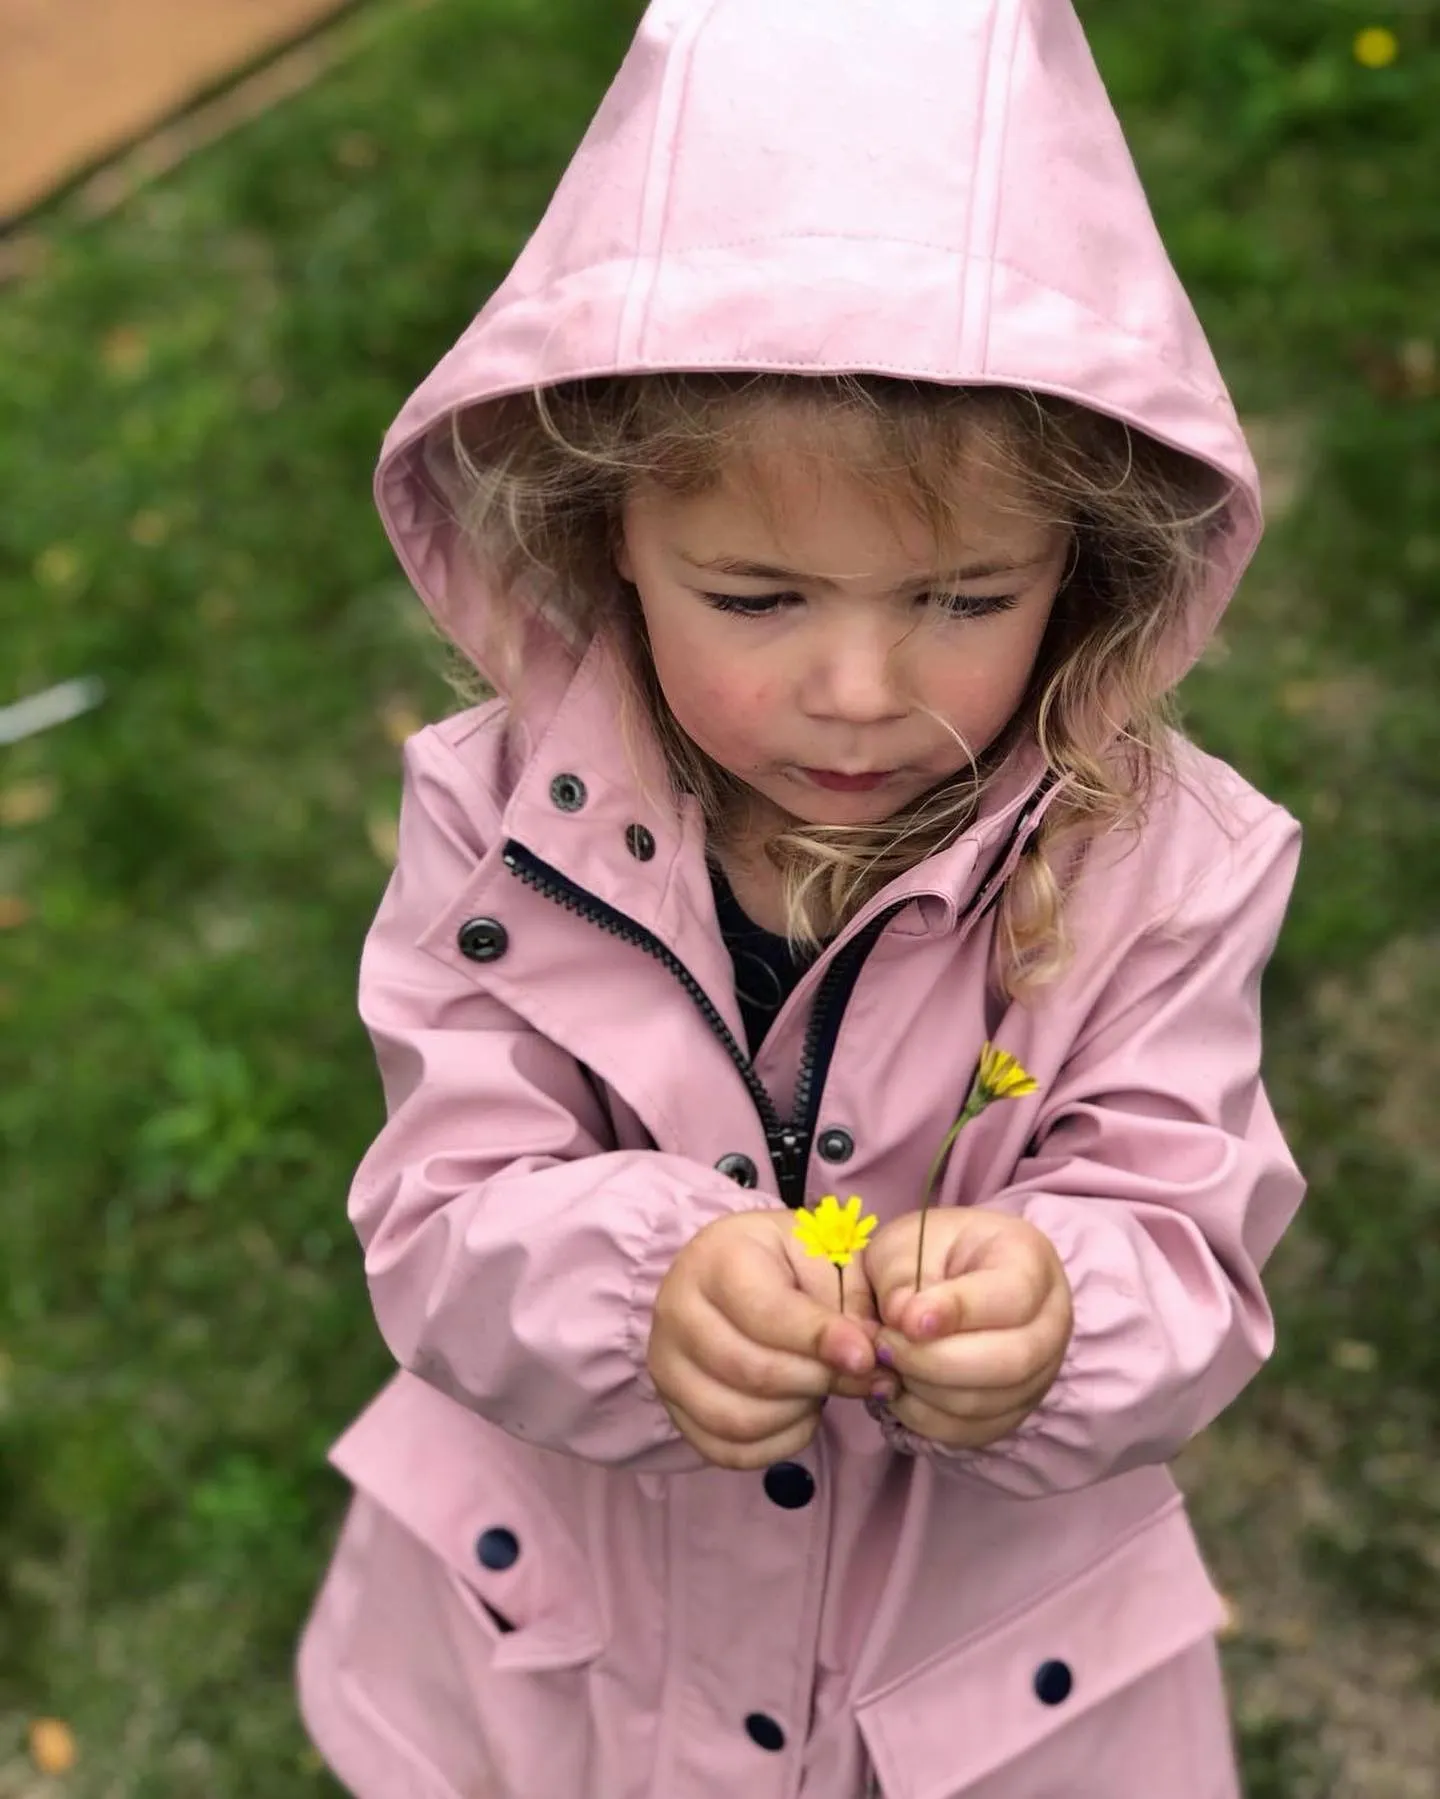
x: 841, y: 1272
x: 972, y: 1108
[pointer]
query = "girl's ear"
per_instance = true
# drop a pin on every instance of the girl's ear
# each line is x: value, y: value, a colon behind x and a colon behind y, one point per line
x: 620, y: 550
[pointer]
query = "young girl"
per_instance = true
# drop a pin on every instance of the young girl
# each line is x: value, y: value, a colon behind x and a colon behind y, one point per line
x: 832, y: 494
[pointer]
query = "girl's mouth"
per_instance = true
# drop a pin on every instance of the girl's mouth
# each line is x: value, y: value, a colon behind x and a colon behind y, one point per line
x: 834, y: 782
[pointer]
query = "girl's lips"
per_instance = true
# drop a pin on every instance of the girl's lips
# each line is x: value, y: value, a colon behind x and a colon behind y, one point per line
x: 838, y: 783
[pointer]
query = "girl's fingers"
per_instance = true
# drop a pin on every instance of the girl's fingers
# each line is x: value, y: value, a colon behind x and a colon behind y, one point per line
x: 711, y: 1342
x: 1000, y: 1298
x: 979, y: 1404
x: 975, y: 1361
x: 940, y: 1427
x: 954, y: 1240
x: 756, y: 1292
x: 724, y: 1453
x: 729, y: 1416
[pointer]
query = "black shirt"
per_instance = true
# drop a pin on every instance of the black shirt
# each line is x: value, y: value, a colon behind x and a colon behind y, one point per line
x: 767, y: 969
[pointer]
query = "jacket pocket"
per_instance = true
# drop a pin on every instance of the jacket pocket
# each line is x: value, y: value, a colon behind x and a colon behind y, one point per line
x: 468, y: 1496
x: 1105, y: 1688
x: 449, y: 1655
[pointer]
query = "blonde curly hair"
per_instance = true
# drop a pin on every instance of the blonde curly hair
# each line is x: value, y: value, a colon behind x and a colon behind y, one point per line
x: 538, y: 482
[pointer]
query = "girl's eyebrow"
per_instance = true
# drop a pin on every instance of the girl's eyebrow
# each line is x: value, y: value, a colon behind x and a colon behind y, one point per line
x: 742, y: 570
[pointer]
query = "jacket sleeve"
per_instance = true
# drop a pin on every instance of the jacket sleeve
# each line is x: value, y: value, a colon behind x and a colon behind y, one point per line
x: 1161, y: 1177
x: 512, y: 1256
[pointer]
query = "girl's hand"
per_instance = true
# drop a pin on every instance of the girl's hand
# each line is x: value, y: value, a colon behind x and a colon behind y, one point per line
x: 979, y: 1346
x: 747, y: 1340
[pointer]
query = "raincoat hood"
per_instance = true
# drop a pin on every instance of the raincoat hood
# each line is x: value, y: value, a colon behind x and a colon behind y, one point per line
x: 930, y: 189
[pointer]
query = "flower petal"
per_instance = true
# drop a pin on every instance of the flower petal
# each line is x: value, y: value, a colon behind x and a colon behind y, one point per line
x: 1000, y: 1076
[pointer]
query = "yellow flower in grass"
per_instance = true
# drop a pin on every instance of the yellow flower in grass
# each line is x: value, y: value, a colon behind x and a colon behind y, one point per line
x: 834, y: 1231
x: 1376, y: 47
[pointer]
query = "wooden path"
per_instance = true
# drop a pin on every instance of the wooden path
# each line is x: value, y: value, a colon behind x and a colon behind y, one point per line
x: 80, y: 79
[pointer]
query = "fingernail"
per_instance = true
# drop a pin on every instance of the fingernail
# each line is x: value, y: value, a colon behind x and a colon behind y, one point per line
x: 884, y: 1353
x: 856, y: 1360
x: 883, y: 1388
x: 929, y: 1324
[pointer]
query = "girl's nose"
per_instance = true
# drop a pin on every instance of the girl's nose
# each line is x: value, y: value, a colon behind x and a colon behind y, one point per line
x: 854, y: 676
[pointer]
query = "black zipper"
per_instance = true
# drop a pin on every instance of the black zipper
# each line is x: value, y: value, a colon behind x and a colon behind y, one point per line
x: 788, y: 1143
x: 831, y: 997
x: 789, y: 1151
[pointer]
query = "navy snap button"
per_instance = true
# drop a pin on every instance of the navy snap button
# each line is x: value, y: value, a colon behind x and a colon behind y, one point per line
x: 1053, y: 1681
x: 639, y: 842
x: 568, y: 792
x: 789, y: 1485
x: 483, y: 939
x: 740, y: 1169
x: 497, y: 1548
x: 836, y: 1146
x: 765, y: 1732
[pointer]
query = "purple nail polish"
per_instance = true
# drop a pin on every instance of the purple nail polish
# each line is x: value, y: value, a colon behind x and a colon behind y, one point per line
x: 883, y: 1353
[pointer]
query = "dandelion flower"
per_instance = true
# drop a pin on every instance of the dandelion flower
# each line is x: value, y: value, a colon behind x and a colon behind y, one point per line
x: 1000, y: 1076
x: 1376, y: 47
x: 834, y: 1231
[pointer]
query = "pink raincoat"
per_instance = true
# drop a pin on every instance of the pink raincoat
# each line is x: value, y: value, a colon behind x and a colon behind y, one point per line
x: 540, y: 1591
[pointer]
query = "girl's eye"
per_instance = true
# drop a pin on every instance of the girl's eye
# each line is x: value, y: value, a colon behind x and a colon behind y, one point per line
x: 962, y: 605
x: 951, y: 605
x: 750, y: 605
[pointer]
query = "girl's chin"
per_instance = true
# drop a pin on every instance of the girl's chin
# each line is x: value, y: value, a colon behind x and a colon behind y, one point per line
x: 807, y: 803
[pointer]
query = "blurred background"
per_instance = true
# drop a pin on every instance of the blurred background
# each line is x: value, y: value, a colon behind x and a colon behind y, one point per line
x: 238, y: 234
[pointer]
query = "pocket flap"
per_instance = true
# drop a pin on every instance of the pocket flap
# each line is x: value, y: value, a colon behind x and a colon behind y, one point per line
x: 985, y: 1702
x: 457, y: 1486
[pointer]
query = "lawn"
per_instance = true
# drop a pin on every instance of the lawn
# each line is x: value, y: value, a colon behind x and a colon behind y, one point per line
x: 191, y: 395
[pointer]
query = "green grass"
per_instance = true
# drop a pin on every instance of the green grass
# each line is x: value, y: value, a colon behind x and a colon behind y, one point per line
x: 192, y: 396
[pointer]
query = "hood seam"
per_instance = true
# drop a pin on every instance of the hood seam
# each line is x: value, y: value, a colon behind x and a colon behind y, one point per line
x: 633, y: 324
x: 977, y: 271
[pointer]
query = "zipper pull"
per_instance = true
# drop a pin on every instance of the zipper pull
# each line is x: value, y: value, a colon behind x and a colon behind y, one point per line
x: 788, y: 1158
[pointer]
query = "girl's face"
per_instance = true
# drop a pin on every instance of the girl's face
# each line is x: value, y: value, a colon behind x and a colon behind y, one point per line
x: 832, y: 656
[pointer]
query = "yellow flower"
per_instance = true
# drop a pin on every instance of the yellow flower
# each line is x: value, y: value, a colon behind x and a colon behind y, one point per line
x: 58, y: 566
x: 835, y: 1231
x: 1376, y: 47
x: 1000, y: 1076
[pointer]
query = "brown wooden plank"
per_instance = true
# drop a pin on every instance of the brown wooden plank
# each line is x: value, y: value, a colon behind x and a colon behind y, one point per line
x: 79, y: 78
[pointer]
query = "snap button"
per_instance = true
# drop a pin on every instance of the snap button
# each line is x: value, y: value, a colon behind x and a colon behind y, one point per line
x: 568, y: 792
x: 497, y: 1548
x: 740, y: 1169
x: 1053, y: 1681
x: 483, y: 939
x: 789, y: 1485
x: 836, y: 1146
x: 765, y: 1732
x: 639, y: 842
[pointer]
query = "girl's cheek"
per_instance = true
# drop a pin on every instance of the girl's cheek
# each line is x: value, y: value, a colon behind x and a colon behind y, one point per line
x: 727, y: 697
x: 747, y: 709
x: 981, y: 697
